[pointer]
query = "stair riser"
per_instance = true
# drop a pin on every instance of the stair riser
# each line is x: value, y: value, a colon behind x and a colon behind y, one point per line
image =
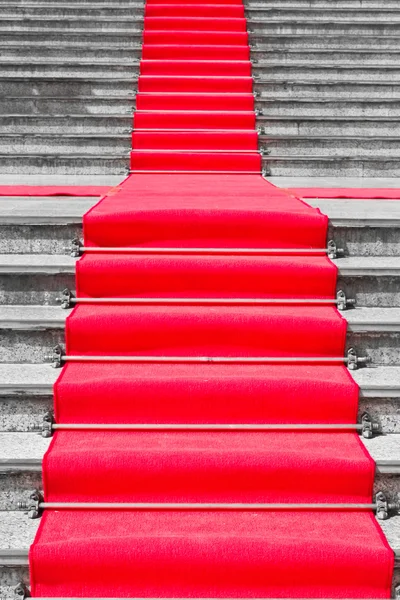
x: 336, y: 108
x: 116, y: 55
x: 321, y: 28
x: 322, y: 14
x: 326, y: 127
x: 32, y: 346
x: 69, y: 125
x: 63, y: 106
x: 330, y: 148
x: 74, y: 26
x: 336, y: 167
x: 65, y: 165
x: 316, y: 73
x: 99, y: 40
x: 367, y: 241
x: 318, y: 4
x: 25, y: 413
x: 351, y: 57
x: 57, y: 10
x: 65, y: 87
x: 68, y: 70
x: 54, y: 145
x: 318, y: 91
x: 317, y: 41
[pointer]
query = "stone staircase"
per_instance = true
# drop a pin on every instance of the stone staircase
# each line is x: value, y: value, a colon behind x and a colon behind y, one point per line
x: 34, y: 268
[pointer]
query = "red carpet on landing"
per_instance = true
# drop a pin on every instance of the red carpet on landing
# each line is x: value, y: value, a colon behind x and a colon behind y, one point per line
x: 196, y: 190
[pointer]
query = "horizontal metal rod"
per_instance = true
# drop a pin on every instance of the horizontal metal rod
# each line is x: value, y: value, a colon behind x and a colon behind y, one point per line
x: 233, y: 301
x: 210, y: 359
x: 203, y: 506
x: 207, y: 426
x: 230, y: 251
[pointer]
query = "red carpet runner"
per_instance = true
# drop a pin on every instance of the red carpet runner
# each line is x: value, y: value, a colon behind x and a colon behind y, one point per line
x: 195, y: 99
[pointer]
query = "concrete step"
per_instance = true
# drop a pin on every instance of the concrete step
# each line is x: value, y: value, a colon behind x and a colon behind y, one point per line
x: 67, y: 124
x: 333, y: 41
x: 71, y: 164
x: 62, y: 87
x: 21, y: 457
x: 31, y: 279
x: 84, y: 105
x: 92, y: 39
x: 302, y: 71
x: 351, y: 90
x: 334, y: 146
x: 26, y: 394
x: 324, y: 14
x: 337, y: 126
x: 351, y: 56
x: 343, y: 4
x: 311, y: 27
x: 66, y: 68
x: 74, y: 53
x: 71, y: 24
x: 330, y: 107
x: 47, y: 225
x: 28, y: 333
x: 66, y: 10
x: 66, y: 145
x: 17, y: 533
x: 318, y: 166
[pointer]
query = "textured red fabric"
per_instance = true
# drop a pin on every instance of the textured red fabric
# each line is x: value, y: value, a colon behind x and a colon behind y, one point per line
x: 211, y: 555
x: 204, y: 393
x: 231, y: 68
x: 353, y: 193
x: 195, y: 161
x: 241, y: 85
x: 223, y: 11
x: 205, y: 331
x: 197, y: 52
x: 195, y: 24
x: 194, y: 276
x: 221, y: 211
x: 53, y: 190
x: 195, y: 37
x: 200, y: 115
x: 179, y: 101
x: 189, y: 466
x: 195, y: 140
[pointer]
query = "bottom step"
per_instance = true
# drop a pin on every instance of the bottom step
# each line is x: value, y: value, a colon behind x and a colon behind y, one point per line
x: 319, y: 166
x: 68, y: 164
x: 153, y: 160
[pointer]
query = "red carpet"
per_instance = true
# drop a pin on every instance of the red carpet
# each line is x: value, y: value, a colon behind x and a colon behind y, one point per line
x: 205, y: 236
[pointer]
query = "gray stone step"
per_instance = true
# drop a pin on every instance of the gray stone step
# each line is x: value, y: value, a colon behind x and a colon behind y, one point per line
x: 301, y: 71
x: 47, y: 225
x: 330, y: 107
x: 71, y: 24
x: 104, y: 39
x: 26, y: 394
x: 66, y: 10
x: 336, y: 146
x: 311, y: 27
x: 28, y: 333
x: 72, y: 164
x: 17, y: 533
x: 67, y: 124
x: 351, y: 56
x: 21, y: 457
x: 66, y: 145
x: 312, y: 90
x: 317, y: 166
x: 342, y: 126
x: 66, y: 68
x: 27, y: 279
x: 75, y: 52
x: 361, y: 14
x: 333, y: 41
x: 83, y: 105
x: 54, y: 87
x: 343, y: 4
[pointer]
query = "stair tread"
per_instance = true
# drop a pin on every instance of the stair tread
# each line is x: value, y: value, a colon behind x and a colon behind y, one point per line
x: 21, y: 451
x: 38, y: 379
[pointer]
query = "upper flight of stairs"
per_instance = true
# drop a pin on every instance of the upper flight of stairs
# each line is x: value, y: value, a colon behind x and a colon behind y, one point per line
x: 327, y: 80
